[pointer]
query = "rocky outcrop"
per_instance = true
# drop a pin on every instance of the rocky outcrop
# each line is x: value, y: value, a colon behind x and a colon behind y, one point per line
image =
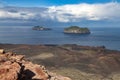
x: 15, y: 67
x: 9, y: 70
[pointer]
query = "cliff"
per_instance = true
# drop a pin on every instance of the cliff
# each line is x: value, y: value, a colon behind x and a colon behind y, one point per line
x: 15, y: 67
x: 77, y: 30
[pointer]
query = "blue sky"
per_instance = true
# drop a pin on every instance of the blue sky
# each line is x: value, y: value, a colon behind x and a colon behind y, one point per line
x: 37, y: 3
x: 60, y: 12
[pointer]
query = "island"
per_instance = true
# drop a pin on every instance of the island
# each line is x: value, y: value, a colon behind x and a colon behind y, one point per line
x: 40, y: 28
x: 76, y: 30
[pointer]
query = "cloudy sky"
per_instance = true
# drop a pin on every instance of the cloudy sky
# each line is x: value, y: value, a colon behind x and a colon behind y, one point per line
x: 60, y: 12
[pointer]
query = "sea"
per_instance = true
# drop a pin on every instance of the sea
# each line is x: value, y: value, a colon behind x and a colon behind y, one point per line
x: 108, y: 37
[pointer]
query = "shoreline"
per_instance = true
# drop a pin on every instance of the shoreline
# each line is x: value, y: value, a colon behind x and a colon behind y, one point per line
x: 60, y: 45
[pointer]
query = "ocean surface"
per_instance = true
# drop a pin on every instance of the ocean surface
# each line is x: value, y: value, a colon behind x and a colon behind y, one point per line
x: 109, y: 37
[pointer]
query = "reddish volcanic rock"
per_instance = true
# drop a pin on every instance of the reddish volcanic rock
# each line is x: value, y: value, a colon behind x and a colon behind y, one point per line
x: 14, y: 67
x: 35, y: 71
x: 9, y: 71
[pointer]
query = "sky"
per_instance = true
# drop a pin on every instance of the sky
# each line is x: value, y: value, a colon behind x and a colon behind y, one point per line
x: 39, y: 3
x: 60, y: 12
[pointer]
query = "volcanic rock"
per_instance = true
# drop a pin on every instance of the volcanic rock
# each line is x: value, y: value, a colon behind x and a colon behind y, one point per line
x: 15, y: 67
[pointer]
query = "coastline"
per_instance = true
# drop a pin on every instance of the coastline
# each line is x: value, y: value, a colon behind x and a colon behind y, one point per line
x: 90, y: 46
x: 108, y: 37
x: 64, y: 59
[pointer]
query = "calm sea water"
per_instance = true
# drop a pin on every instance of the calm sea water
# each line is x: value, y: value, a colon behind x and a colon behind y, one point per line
x: 109, y: 37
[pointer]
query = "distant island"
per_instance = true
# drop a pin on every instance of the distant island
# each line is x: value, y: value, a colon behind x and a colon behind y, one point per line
x: 76, y: 30
x: 40, y: 28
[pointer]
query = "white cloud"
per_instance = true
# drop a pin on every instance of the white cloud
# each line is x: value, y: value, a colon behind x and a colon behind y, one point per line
x: 78, y: 12
x: 65, y: 13
x: 15, y: 15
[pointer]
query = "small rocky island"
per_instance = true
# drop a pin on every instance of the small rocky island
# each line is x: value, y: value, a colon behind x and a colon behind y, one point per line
x: 40, y: 28
x: 76, y: 30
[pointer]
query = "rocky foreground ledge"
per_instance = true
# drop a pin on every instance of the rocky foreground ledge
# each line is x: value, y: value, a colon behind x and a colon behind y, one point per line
x: 74, y: 61
x: 15, y: 67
